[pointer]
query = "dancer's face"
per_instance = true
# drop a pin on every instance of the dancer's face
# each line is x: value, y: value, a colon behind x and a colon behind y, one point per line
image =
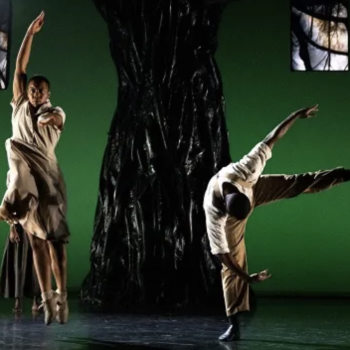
x: 38, y: 93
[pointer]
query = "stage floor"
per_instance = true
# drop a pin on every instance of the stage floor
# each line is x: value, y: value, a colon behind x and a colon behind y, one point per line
x: 286, y: 324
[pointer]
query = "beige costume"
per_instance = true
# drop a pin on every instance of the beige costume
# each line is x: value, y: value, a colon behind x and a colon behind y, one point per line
x: 226, y: 234
x: 36, y: 191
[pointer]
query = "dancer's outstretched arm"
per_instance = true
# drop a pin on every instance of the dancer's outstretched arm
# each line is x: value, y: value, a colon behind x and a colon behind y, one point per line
x: 20, y: 77
x: 281, y: 129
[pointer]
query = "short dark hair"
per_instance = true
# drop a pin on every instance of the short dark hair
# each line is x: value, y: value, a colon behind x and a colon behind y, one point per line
x: 39, y: 79
x: 237, y: 205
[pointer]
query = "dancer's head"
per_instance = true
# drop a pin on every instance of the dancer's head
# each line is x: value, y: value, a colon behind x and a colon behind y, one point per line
x: 38, y: 90
x: 237, y: 204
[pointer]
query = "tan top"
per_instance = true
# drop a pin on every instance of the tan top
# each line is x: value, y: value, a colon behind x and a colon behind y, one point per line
x: 25, y: 128
x: 36, y: 192
x: 226, y: 232
x: 248, y: 170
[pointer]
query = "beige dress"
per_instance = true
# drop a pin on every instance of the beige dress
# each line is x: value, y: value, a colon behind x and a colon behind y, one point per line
x: 36, y: 192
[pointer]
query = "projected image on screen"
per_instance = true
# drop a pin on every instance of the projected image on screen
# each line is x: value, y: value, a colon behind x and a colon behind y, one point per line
x: 4, y: 42
x: 3, y: 59
x: 319, y: 35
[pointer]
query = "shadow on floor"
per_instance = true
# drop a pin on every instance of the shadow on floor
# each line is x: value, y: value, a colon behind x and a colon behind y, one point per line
x: 91, y: 344
x: 314, y: 346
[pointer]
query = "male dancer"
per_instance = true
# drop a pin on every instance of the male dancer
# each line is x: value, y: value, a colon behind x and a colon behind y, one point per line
x: 36, y: 196
x: 230, y: 198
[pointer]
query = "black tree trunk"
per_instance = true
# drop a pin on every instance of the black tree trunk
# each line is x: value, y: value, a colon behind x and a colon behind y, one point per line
x: 167, y: 138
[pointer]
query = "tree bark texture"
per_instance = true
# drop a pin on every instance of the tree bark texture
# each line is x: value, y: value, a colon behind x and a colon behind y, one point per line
x: 167, y: 139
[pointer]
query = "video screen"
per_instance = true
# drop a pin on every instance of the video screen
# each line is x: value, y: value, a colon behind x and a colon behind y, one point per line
x: 5, y: 27
x: 319, y: 35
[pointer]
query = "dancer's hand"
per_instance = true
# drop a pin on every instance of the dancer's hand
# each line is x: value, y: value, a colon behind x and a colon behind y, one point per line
x: 37, y: 24
x: 308, y: 112
x: 261, y: 276
x: 14, y: 237
x: 46, y: 121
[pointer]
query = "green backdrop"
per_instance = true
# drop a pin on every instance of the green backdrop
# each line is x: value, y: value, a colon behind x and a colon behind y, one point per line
x: 304, y: 241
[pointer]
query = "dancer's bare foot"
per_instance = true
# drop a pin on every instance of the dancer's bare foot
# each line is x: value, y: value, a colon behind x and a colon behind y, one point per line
x: 17, y: 309
x: 35, y: 306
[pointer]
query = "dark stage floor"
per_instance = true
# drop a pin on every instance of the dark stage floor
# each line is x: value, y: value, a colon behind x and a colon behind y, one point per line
x: 278, y: 324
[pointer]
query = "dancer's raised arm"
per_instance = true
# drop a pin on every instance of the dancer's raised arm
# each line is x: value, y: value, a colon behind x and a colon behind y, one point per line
x: 280, y: 130
x: 20, y: 76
